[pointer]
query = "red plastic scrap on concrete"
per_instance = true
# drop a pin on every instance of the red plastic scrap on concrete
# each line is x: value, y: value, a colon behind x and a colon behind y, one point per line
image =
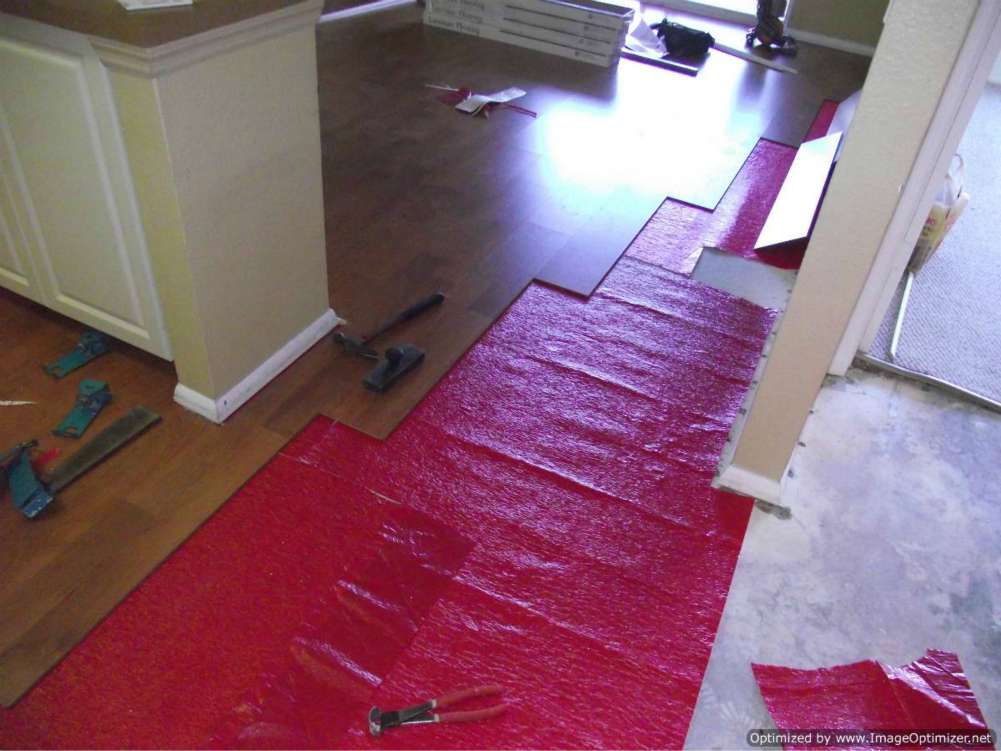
x: 931, y: 693
x: 574, y: 446
x: 675, y: 235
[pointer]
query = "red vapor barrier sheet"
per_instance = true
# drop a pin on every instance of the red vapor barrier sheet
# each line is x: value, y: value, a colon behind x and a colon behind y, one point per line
x: 931, y: 693
x: 675, y: 235
x: 543, y: 520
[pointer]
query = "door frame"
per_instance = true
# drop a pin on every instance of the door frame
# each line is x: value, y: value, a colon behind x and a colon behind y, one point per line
x: 959, y: 98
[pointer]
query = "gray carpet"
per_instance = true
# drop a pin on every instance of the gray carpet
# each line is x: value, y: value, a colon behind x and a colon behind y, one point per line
x: 952, y: 329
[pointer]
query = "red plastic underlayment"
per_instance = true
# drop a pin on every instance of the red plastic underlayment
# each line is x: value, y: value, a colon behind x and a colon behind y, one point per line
x: 675, y: 235
x: 543, y: 520
x: 931, y: 693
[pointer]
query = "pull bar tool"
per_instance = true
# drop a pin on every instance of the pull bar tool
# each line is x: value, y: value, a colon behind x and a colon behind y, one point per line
x: 92, y: 397
x: 92, y: 344
x: 423, y: 714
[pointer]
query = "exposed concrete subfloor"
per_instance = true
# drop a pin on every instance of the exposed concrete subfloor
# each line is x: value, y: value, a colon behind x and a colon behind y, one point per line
x: 894, y: 546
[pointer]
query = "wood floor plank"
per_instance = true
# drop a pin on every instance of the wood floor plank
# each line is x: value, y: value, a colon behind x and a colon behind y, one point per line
x: 593, y: 250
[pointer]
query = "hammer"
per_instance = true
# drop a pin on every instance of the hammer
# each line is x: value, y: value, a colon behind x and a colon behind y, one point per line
x: 360, y: 346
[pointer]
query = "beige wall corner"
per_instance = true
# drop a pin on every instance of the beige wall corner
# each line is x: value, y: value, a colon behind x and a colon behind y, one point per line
x: 244, y: 137
x: 916, y: 55
x: 851, y: 25
x: 223, y: 132
x: 139, y: 115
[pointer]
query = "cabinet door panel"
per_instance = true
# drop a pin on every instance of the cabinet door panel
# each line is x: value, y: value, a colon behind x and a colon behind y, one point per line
x: 15, y: 267
x: 74, y: 193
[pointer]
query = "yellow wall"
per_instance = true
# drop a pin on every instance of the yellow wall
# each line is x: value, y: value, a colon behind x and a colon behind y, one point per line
x: 243, y: 132
x: 139, y: 114
x: 858, y: 21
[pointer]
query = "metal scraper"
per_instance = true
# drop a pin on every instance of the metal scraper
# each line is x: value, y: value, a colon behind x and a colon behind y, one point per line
x: 103, y: 445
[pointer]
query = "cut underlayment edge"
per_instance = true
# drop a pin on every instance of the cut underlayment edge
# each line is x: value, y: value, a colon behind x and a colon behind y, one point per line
x: 218, y: 410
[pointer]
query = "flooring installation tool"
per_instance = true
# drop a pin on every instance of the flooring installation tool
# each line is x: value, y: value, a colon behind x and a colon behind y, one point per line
x: 684, y: 42
x: 27, y: 493
x: 399, y: 361
x: 92, y: 344
x: 92, y: 397
x: 31, y: 495
x: 362, y: 345
x: 660, y: 62
x: 425, y: 714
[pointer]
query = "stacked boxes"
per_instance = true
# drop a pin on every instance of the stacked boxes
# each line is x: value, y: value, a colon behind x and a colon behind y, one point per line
x: 585, y: 30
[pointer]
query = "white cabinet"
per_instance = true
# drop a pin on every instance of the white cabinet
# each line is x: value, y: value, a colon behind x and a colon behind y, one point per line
x: 16, y: 272
x: 70, y: 233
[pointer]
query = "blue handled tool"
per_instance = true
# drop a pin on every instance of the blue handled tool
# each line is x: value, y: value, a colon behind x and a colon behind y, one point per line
x: 92, y: 344
x: 27, y: 492
x: 92, y: 397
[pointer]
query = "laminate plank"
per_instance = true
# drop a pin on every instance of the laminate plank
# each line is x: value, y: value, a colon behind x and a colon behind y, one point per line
x: 594, y: 249
x: 792, y: 215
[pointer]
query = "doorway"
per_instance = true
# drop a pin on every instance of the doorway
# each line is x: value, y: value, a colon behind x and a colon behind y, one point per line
x: 943, y: 326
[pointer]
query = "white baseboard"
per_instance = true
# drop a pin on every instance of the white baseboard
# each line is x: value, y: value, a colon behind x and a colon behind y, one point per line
x: 217, y: 410
x: 196, y: 402
x: 360, y: 10
x: 745, y: 482
x: 856, y: 48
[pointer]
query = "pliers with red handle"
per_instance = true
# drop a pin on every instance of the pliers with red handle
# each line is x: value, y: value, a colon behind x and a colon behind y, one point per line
x: 421, y: 714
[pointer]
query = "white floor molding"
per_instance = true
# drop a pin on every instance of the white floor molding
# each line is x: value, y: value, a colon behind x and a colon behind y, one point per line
x: 360, y: 10
x: 217, y: 410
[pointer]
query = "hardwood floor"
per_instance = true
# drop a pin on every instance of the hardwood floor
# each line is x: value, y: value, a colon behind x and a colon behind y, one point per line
x: 418, y: 198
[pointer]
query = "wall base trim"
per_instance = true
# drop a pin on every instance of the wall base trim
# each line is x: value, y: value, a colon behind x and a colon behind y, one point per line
x: 746, y: 482
x: 217, y: 410
x: 834, y: 43
x: 361, y: 10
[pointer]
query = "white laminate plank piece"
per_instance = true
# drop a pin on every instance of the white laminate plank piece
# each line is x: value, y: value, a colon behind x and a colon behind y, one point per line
x: 793, y: 211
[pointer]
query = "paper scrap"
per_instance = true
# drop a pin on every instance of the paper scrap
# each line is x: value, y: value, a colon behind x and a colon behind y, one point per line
x: 475, y: 103
x: 8, y: 403
x: 643, y: 39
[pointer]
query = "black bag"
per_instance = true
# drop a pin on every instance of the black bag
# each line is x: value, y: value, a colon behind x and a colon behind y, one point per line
x: 682, y: 41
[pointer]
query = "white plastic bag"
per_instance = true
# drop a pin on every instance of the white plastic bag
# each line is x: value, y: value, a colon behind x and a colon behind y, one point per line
x: 949, y: 204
